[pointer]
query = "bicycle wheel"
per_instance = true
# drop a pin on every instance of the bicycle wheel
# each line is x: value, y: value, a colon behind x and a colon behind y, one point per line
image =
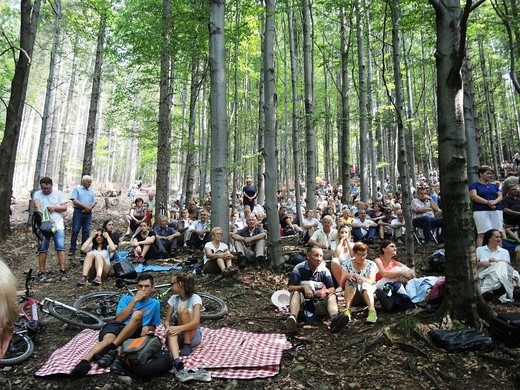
x: 76, y: 317
x: 101, y: 303
x: 213, y: 307
x: 19, y: 350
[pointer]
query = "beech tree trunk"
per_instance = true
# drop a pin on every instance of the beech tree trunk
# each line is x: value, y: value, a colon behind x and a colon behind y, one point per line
x: 94, y: 97
x: 462, y: 299
x: 29, y: 16
x: 345, y: 113
x: 219, y: 126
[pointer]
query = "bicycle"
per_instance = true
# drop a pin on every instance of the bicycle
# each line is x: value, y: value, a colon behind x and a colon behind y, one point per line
x: 104, y: 303
x: 29, y: 324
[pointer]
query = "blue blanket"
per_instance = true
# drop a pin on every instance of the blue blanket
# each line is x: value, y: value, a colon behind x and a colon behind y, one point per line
x: 156, y: 268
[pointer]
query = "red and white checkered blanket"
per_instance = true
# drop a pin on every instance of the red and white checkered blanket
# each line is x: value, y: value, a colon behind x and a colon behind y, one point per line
x: 226, y: 353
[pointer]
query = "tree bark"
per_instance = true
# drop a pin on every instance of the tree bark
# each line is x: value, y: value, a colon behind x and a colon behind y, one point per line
x: 345, y: 112
x: 219, y: 126
x: 94, y: 97
x: 29, y: 17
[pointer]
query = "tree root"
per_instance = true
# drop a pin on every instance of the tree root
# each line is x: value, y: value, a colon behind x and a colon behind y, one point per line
x: 501, y: 361
x: 412, y: 349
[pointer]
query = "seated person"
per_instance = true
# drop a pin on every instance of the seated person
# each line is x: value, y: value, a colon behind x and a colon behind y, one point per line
x: 287, y: 227
x: 376, y: 214
x: 217, y: 257
x: 326, y: 238
x: 311, y: 280
x: 182, y: 226
x: 389, y: 269
x: 136, y: 316
x: 109, y: 227
x: 166, y: 238
x: 360, y: 282
x: 384, y: 225
x: 144, y: 244
x: 511, y: 206
x: 426, y: 214
x: 193, y: 210
x: 346, y: 216
x: 99, y: 248
x: 494, y: 267
x: 262, y: 221
x: 250, y: 242
x: 182, y: 320
x: 363, y: 229
x: 309, y: 224
x: 398, y: 226
x: 199, y: 233
x: 341, y: 254
x: 136, y: 215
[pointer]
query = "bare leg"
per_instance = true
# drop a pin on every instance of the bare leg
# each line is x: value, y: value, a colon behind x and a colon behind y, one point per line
x: 42, y: 258
x: 107, y: 340
x: 100, y: 265
x: 295, y: 304
x: 332, y: 305
x: 173, y: 346
x: 221, y: 264
x: 87, y: 264
x: 145, y: 250
x: 185, y: 318
x: 61, y: 259
x: 369, y: 299
x: 348, y: 294
x: 135, y: 322
x: 337, y: 271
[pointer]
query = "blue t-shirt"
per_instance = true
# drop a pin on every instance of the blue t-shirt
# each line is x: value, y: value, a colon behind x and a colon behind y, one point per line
x: 488, y: 192
x: 151, y: 309
x: 302, y: 272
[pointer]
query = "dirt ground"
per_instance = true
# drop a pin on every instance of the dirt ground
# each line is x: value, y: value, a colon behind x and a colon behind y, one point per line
x: 395, y: 353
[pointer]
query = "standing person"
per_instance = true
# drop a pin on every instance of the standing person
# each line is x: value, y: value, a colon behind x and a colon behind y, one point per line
x: 9, y: 311
x: 83, y: 200
x: 486, y: 201
x: 182, y: 320
x: 249, y: 193
x: 56, y: 203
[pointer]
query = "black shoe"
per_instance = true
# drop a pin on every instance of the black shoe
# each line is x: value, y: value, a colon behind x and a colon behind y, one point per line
x: 117, y: 367
x: 107, y: 359
x: 259, y: 261
x: 242, y: 261
x: 81, y: 369
x: 338, y: 322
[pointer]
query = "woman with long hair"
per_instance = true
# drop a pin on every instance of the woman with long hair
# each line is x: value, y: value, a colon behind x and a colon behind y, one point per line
x: 98, y: 248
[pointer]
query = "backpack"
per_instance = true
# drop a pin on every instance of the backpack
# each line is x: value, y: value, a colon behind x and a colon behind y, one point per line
x: 158, y: 364
x: 296, y: 258
x: 136, y: 352
x: 437, y: 261
x: 124, y: 270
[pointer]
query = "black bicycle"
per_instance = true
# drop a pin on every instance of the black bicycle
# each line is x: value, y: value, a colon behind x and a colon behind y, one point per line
x: 104, y: 303
x: 29, y: 324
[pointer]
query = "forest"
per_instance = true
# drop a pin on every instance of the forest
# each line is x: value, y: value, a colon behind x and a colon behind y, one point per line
x: 192, y: 95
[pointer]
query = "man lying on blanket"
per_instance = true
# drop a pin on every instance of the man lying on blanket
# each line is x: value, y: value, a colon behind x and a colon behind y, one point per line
x: 136, y: 315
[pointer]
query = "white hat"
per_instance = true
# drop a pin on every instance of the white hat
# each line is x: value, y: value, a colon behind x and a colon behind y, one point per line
x: 281, y: 298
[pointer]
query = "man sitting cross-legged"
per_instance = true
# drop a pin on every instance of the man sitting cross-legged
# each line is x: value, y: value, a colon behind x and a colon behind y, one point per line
x: 250, y: 242
x: 136, y: 316
x: 313, y: 294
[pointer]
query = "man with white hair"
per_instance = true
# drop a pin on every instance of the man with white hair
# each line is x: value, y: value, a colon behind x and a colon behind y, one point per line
x: 8, y: 307
x: 83, y: 200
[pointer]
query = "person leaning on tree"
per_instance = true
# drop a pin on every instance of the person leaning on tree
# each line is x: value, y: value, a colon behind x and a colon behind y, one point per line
x: 83, y: 200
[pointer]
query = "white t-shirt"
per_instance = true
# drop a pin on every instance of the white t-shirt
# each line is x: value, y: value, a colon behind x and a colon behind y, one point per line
x: 175, y: 301
x: 483, y: 253
x: 55, y: 198
x: 221, y: 248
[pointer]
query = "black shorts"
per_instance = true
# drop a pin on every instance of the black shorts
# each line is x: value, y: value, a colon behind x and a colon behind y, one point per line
x: 115, y: 327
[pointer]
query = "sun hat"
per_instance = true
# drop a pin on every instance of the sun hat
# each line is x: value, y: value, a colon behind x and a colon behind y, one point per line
x: 281, y: 298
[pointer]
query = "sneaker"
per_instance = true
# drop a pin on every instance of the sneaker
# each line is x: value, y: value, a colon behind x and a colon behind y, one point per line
x: 231, y: 271
x: 291, y: 324
x: 242, y: 261
x: 64, y: 275
x: 186, y: 350
x: 348, y: 314
x: 338, y: 322
x: 184, y: 376
x: 117, y: 367
x: 339, y: 290
x: 97, y: 280
x: 107, y: 359
x: 40, y: 276
x: 201, y: 375
x: 82, y: 280
x: 72, y: 253
x: 178, y: 364
x: 372, y: 317
x: 81, y: 369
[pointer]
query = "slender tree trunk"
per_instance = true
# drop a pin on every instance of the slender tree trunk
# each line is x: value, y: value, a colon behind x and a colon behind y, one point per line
x: 94, y: 97
x: 219, y: 128
x: 29, y: 17
x: 310, y: 130
x: 462, y: 299
x: 261, y: 120
x: 163, y: 167
x: 236, y: 131
x: 345, y: 113
x: 271, y: 176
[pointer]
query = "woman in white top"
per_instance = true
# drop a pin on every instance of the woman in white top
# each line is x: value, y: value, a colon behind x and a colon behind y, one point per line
x: 99, y: 248
x: 217, y: 257
x: 341, y: 254
x: 183, y: 318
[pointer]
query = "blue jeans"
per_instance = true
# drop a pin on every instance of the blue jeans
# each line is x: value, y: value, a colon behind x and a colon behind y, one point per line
x: 59, y: 242
x: 357, y: 233
x: 80, y: 221
x: 427, y: 223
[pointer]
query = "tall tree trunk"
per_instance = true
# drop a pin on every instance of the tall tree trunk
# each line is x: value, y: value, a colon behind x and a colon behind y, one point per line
x: 261, y: 120
x: 219, y: 128
x: 345, y: 113
x: 370, y: 109
x: 236, y: 131
x: 29, y: 17
x: 271, y: 176
x: 462, y: 299
x: 49, y: 91
x: 402, y: 156
x: 94, y: 97
x: 310, y: 130
x: 163, y: 167
x: 363, y: 133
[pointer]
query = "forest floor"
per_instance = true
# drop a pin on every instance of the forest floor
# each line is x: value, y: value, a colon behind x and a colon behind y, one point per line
x: 395, y: 353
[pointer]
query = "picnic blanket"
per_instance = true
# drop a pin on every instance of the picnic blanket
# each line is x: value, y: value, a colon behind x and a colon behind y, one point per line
x: 226, y: 353
x: 156, y: 268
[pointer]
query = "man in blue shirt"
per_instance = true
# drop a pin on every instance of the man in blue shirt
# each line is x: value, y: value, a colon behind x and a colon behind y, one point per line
x: 84, y: 200
x: 136, y: 316
x: 313, y: 293
x: 166, y: 238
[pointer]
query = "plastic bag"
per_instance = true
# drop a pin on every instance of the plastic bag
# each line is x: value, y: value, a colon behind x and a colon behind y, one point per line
x: 462, y: 340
